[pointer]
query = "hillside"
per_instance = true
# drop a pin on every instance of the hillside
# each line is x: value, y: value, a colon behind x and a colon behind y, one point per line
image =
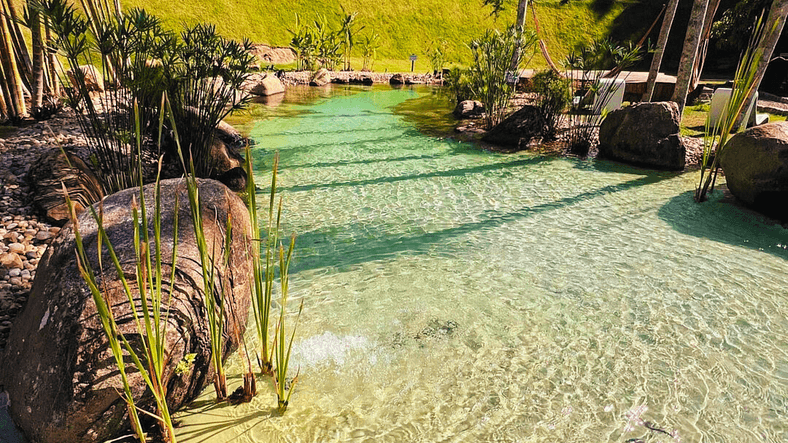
x: 405, y: 27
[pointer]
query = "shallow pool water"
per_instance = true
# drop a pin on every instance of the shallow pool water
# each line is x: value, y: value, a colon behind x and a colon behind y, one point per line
x: 457, y: 295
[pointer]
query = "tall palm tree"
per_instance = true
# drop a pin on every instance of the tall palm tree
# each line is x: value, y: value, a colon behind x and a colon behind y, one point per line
x: 690, y: 52
x: 656, y: 62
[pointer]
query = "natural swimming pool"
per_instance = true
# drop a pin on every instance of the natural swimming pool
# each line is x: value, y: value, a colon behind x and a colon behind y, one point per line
x: 453, y: 294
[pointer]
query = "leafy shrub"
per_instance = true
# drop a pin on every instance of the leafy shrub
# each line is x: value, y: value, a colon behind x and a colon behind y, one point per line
x: 492, y: 58
x: 139, y: 60
x: 458, y: 85
x: 554, y: 96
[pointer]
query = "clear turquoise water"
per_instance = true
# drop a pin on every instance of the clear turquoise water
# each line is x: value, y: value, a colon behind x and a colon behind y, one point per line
x: 457, y: 295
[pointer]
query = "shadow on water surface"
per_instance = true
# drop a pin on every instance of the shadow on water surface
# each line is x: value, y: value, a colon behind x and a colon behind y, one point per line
x: 447, y: 173
x: 362, y: 251
x: 725, y: 220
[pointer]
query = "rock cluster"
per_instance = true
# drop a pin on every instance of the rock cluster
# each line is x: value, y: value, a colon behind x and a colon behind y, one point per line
x: 23, y: 235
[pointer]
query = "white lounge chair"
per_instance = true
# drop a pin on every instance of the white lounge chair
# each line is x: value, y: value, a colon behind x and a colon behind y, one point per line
x: 610, y: 95
x: 720, y: 99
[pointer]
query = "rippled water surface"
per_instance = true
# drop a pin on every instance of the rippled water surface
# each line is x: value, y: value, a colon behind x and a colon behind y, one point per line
x: 456, y: 295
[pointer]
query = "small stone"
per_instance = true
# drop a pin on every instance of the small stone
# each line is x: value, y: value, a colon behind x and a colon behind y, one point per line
x: 16, y: 248
x: 31, y: 255
x: 11, y: 236
x: 11, y: 260
x: 16, y: 272
x: 16, y: 281
x: 54, y: 230
x: 43, y: 235
x: 25, y: 274
x: 11, y: 225
x: 31, y: 232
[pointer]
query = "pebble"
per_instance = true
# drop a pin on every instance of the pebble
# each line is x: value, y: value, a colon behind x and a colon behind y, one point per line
x: 23, y: 237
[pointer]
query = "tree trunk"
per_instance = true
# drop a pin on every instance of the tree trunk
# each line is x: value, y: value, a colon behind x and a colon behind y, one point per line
x: 522, y: 6
x: 13, y: 79
x: 37, y: 82
x: 4, y: 113
x: 704, y: 44
x: 51, y: 59
x: 689, y: 53
x: 773, y: 28
x: 656, y: 62
x: 24, y: 65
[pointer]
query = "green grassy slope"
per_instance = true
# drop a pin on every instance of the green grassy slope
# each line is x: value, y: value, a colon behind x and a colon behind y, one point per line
x: 405, y: 27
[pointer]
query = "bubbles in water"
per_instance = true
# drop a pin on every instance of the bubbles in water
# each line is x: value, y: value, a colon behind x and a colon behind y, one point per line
x: 328, y: 348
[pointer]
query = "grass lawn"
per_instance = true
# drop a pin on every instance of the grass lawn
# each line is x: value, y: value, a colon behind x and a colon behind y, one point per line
x: 693, y: 123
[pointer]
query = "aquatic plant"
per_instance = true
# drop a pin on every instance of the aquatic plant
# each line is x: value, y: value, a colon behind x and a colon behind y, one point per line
x: 585, y: 68
x: 151, y: 322
x: 554, y: 95
x: 200, y: 70
x: 282, y: 347
x: 214, y: 298
x: 492, y: 57
x: 716, y: 138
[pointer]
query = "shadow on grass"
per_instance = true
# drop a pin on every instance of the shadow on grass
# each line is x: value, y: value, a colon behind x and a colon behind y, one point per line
x: 723, y: 219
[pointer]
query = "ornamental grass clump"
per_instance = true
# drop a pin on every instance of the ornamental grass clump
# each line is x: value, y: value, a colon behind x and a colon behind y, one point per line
x: 282, y: 347
x: 716, y: 138
x: 586, y: 67
x: 273, y: 361
x: 150, y: 313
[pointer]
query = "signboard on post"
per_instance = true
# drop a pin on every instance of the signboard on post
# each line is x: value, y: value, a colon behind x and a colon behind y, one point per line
x: 412, y: 61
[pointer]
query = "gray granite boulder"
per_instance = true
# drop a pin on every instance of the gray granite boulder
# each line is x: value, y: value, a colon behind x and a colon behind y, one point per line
x: 755, y: 163
x: 60, y: 375
x: 644, y: 134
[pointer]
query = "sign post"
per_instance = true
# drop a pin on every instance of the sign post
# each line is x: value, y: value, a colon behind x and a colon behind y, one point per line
x: 412, y: 61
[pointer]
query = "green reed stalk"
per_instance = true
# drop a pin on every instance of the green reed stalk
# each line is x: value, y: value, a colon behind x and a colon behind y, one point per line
x: 214, y: 302
x: 262, y: 289
x: 151, y: 325
x: 282, y: 347
x: 715, y: 139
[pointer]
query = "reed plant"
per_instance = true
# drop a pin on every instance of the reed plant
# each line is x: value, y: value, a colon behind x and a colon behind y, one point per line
x: 152, y: 314
x: 263, y: 272
x: 716, y: 137
x: 585, y: 67
x: 493, y: 56
x: 282, y: 347
x: 213, y: 296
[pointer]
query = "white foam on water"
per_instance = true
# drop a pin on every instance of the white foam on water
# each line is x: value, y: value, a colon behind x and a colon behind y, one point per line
x: 328, y: 348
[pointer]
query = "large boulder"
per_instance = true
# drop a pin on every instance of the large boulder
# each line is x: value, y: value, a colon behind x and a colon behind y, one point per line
x: 644, y: 134
x: 57, y: 368
x: 264, y: 85
x: 273, y: 55
x: 469, y: 109
x: 519, y: 129
x: 320, y: 78
x: 47, y: 176
x: 755, y: 163
x: 94, y: 81
x: 397, y: 79
x: 227, y: 165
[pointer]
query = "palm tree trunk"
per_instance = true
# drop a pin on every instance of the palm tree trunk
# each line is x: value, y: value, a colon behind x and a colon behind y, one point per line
x: 24, y: 64
x: 522, y: 6
x: 13, y: 79
x: 773, y: 28
x: 689, y: 53
x: 54, y: 80
x: 4, y: 113
x: 37, y: 92
x: 656, y: 62
x: 704, y: 44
